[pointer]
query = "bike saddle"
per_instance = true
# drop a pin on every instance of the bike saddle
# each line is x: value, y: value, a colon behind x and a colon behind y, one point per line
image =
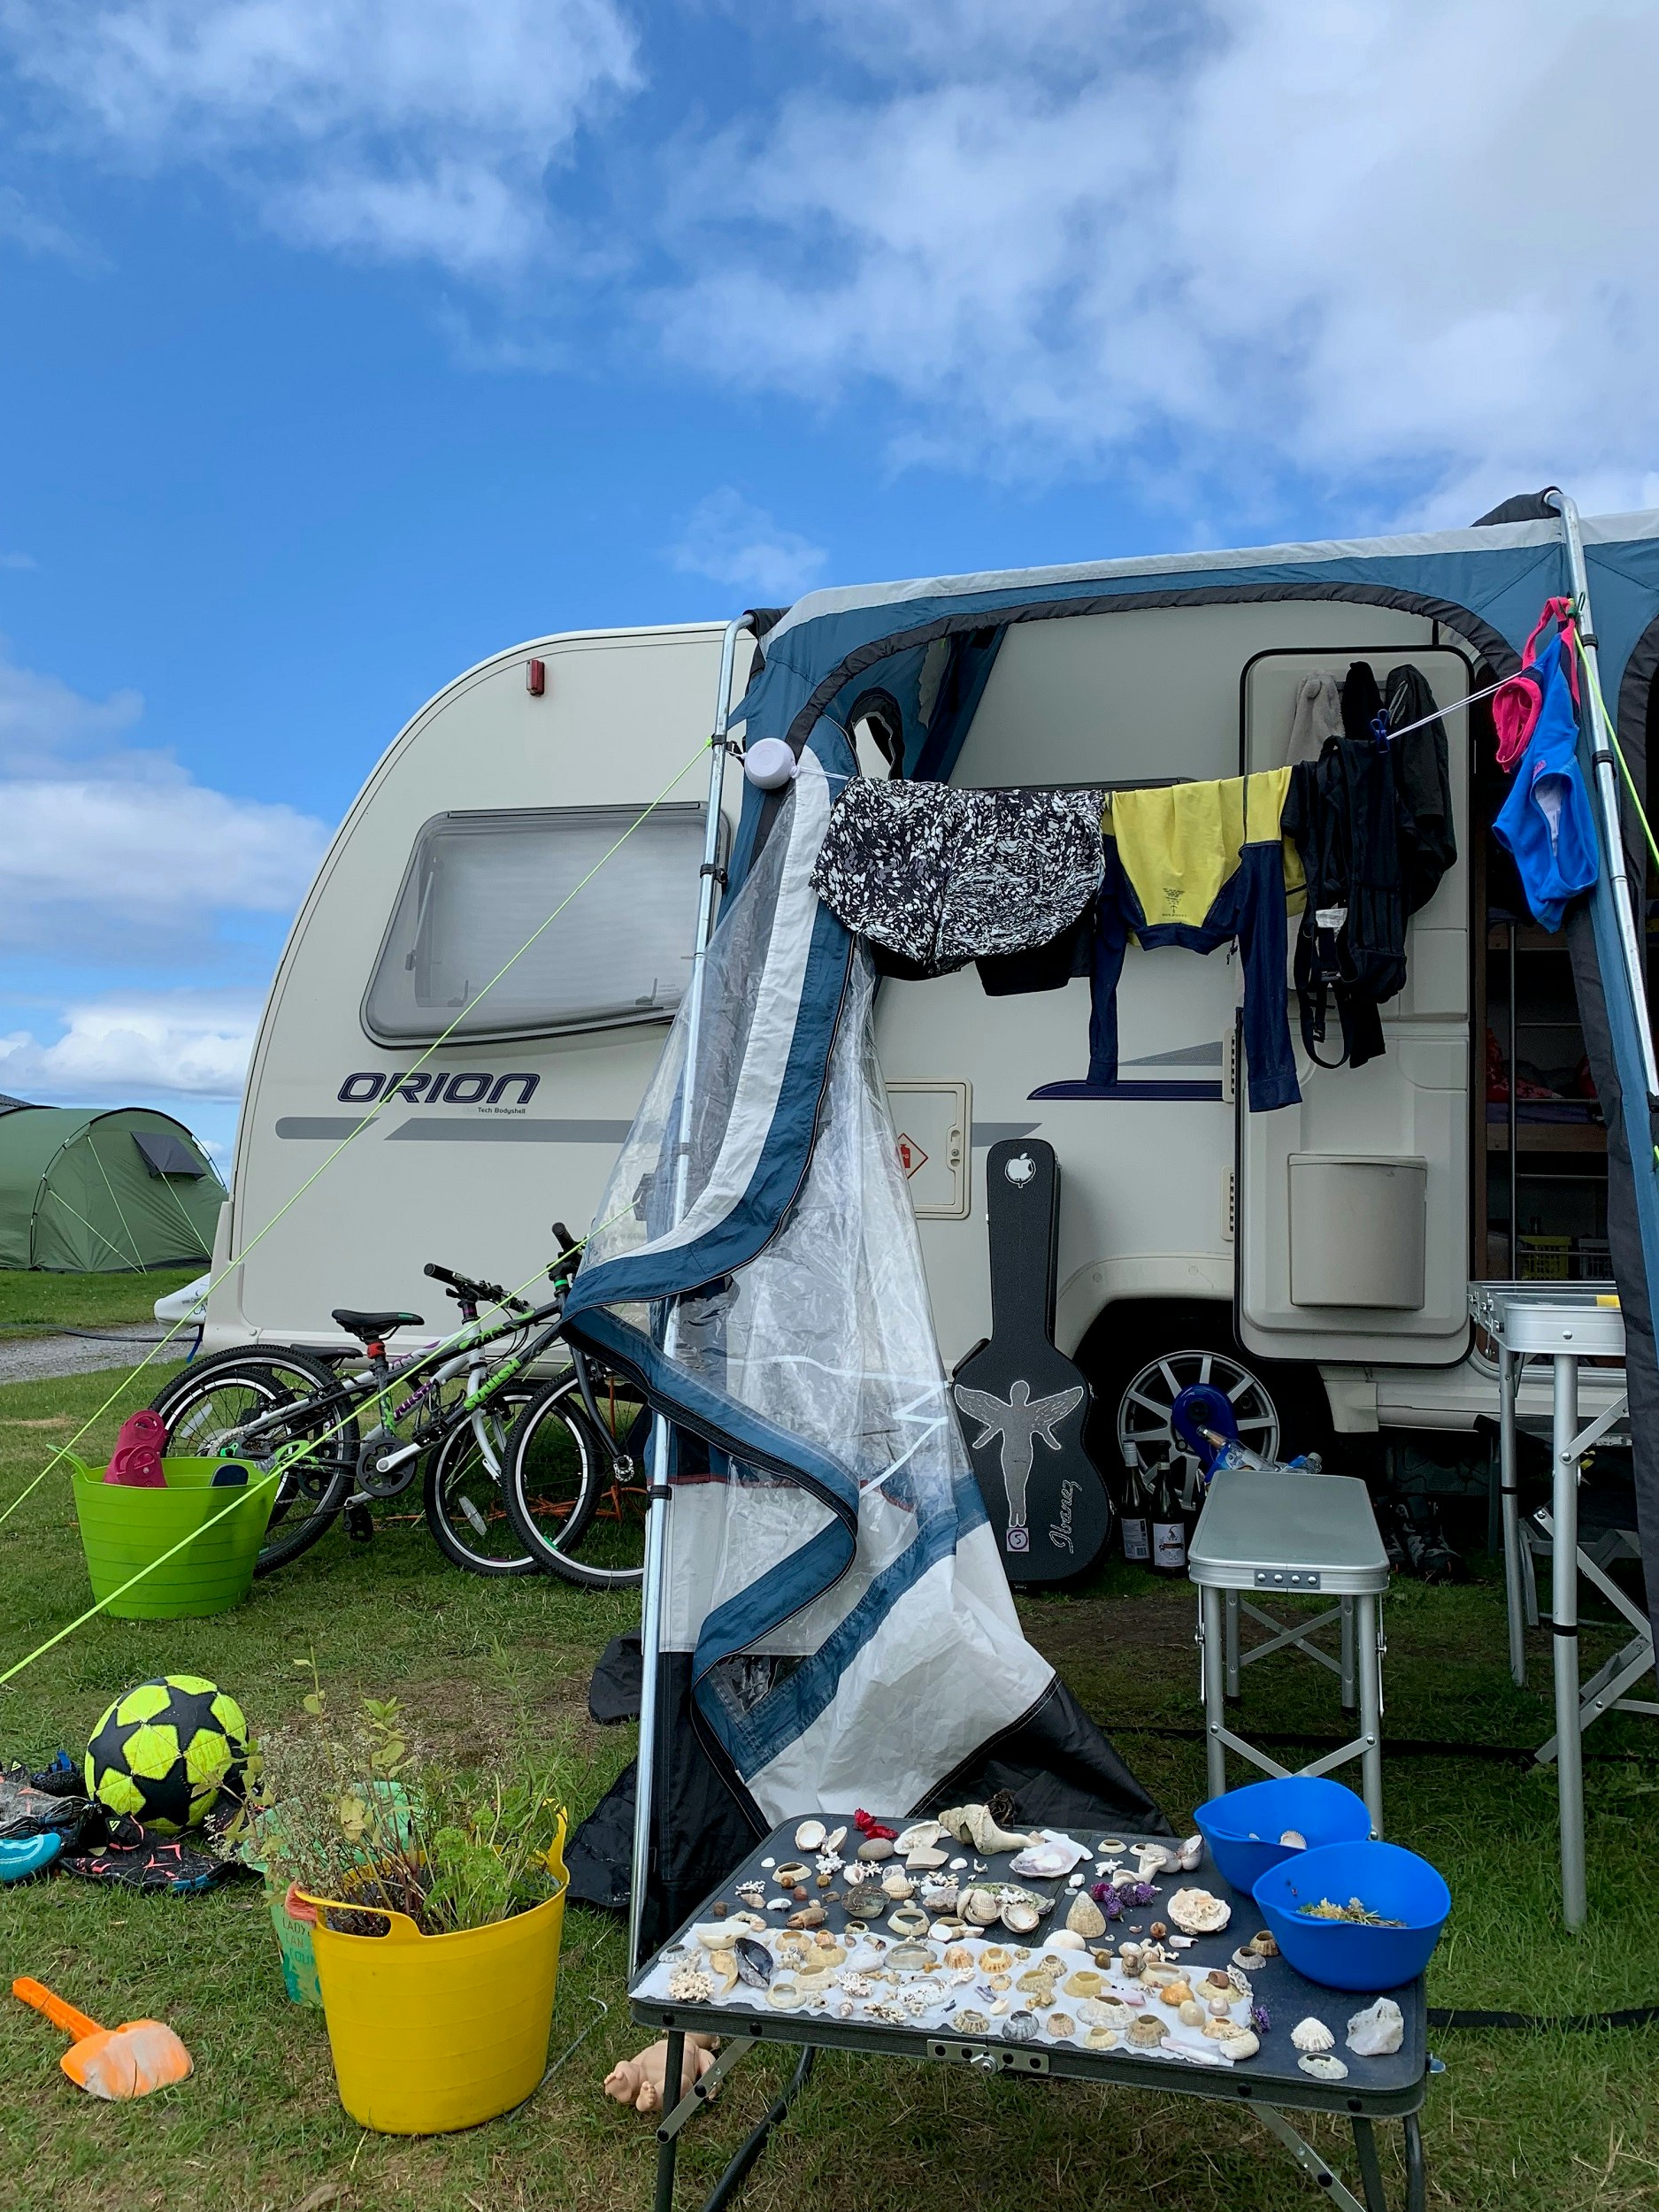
x: 372, y: 1327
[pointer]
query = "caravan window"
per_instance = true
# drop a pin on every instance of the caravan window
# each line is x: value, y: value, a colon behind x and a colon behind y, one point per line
x: 477, y: 887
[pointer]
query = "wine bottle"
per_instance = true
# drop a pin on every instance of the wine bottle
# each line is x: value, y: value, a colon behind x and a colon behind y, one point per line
x: 1135, y: 1519
x: 1169, y: 1529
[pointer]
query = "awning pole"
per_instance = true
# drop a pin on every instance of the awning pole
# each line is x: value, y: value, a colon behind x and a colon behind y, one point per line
x: 1607, y: 792
x: 660, y: 1492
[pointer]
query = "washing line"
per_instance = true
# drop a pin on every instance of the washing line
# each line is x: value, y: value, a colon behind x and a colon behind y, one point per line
x: 373, y: 1114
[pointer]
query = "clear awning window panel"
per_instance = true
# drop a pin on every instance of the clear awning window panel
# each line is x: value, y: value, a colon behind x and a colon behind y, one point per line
x: 835, y: 1525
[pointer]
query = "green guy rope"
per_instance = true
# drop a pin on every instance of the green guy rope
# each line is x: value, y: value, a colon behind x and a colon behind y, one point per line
x: 373, y: 1114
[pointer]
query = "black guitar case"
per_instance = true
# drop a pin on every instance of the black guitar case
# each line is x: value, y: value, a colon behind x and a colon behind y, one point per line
x: 1023, y: 1405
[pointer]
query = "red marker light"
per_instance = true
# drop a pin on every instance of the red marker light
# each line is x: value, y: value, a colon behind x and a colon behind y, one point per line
x: 536, y: 678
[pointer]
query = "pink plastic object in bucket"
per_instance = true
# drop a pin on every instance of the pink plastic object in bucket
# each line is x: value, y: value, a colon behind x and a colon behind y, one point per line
x: 136, y: 1459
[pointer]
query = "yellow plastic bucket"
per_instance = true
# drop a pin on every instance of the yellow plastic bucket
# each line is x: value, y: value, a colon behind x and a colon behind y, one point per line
x: 434, y: 2032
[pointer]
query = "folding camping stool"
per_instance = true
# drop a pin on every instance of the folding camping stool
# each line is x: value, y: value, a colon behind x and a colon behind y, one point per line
x: 1299, y: 1535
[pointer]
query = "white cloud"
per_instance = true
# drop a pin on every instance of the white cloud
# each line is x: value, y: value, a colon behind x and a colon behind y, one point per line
x: 739, y: 545
x: 110, y: 847
x: 179, y: 1043
x: 404, y: 128
x: 18, y: 561
x: 1402, y: 240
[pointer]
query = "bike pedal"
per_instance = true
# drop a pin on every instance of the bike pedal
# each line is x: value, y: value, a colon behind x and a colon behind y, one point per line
x: 359, y: 1524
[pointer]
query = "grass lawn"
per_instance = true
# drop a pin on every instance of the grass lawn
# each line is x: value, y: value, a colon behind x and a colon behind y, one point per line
x: 32, y: 1298
x: 1518, y: 2121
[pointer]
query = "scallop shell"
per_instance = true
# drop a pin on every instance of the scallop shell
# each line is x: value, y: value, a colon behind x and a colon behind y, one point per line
x: 1323, y: 2067
x: 1313, y: 2035
x: 1085, y: 1918
x: 809, y: 1836
x: 1198, y: 1911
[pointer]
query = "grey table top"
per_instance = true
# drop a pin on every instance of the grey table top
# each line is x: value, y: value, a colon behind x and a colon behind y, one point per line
x: 1551, y: 1318
x: 1290, y: 1533
x: 1375, y: 2087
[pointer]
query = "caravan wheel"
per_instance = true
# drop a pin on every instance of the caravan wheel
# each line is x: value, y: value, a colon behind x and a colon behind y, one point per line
x: 1145, y: 1435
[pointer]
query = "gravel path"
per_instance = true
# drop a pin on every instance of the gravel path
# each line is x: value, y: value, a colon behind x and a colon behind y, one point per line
x: 37, y: 1358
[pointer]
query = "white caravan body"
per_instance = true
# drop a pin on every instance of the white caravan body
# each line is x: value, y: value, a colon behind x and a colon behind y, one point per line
x: 1170, y: 1203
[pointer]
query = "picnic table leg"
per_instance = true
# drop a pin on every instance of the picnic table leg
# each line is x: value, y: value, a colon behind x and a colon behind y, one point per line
x: 668, y: 2149
x: 1564, y: 1637
x: 1417, y: 2178
x: 1370, y: 2167
x: 1215, y: 1689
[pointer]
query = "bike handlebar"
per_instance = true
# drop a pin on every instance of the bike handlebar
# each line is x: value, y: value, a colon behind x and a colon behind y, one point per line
x: 463, y: 1287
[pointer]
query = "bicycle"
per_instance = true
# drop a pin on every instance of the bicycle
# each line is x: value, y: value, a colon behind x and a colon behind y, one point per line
x: 283, y: 1409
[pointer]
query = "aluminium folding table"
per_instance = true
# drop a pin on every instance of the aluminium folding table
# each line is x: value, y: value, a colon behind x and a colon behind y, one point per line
x: 1292, y: 1535
x: 1564, y: 1322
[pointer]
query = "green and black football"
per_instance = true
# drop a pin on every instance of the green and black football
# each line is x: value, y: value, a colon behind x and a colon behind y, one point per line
x: 163, y: 1750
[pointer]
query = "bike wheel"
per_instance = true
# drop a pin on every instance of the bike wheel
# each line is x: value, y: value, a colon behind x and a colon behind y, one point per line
x: 595, y: 1536
x: 208, y: 1408
x: 466, y: 1506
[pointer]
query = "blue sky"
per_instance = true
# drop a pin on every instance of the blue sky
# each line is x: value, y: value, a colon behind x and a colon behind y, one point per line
x: 343, y: 342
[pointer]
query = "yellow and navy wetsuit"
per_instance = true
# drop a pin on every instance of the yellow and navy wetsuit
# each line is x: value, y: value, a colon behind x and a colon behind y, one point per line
x: 1199, y: 866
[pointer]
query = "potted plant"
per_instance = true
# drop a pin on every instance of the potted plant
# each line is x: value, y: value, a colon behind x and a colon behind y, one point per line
x: 439, y: 1903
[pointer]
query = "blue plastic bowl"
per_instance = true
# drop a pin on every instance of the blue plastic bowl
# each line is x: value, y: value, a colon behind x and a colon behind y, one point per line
x: 1243, y: 1827
x: 1344, y: 1954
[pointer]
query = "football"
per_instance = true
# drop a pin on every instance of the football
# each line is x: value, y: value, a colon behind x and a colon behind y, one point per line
x: 163, y: 1751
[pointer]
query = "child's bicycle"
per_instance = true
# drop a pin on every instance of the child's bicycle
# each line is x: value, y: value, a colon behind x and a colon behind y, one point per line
x: 346, y: 1436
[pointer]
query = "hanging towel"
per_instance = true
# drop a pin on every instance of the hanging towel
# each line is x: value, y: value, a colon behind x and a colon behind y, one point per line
x: 1547, y: 822
x: 1200, y: 865
x: 1361, y: 702
x: 939, y: 876
x: 1318, y: 714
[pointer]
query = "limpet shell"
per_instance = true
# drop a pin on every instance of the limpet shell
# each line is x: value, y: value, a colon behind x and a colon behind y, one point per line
x: 1085, y: 1918
x: 1147, y: 2033
x: 1192, y: 2014
x: 1323, y: 2066
x: 1019, y: 2027
x: 970, y: 2022
x: 809, y: 1836
x: 1242, y: 2043
x: 1085, y: 1983
x: 1264, y: 1943
x: 1313, y: 2035
x: 1248, y: 1960
x: 959, y: 1956
x: 996, y: 1955
x: 1100, y: 2038
x: 1062, y: 2026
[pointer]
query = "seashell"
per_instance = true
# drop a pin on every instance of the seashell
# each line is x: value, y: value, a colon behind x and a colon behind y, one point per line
x: 1242, y: 2043
x: 835, y: 1838
x: 1100, y: 2038
x: 958, y: 1866
x: 1062, y: 2026
x: 1067, y: 1940
x: 791, y: 1877
x: 1130, y: 1954
x: 1085, y: 1918
x: 1004, y: 1980
x: 970, y: 2022
x: 897, y: 1886
x: 830, y: 1953
x: 1192, y: 1854
x: 1293, y: 1839
x: 714, y: 1935
x: 778, y: 1904
x: 919, y: 1835
x: 994, y: 1957
x: 1074, y: 1881
x: 1313, y: 2035
x: 911, y: 1958
x: 1174, y: 1994
x: 723, y: 1968
x: 1153, y: 1858
x: 1220, y: 2030
x: 999, y: 2009
x: 1181, y: 1943
x: 1264, y: 1943
x: 1019, y: 2027
x: 1158, y: 1929
x: 981, y: 1906
x: 1048, y: 1859
x: 940, y: 1893
x: 689, y: 1984
x: 1198, y: 1912
x: 1248, y: 1959
x: 1085, y: 1983
x: 1192, y: 2014
x: 876, y: 1847
x: 924, y: 1858
x: 786, y: 1995
x: 909, y: 1921
x: 754, y: 1962
x: 769, y: 1863
x: 1221, y: 2007
x: 1378, y: 2032
x: 1157, y: 1975
x: 809, y: 1836
x: 750, y: 1920
x: 812, y: 1916
x: 973, y: 1823
x: 1147, y: 2033
x: 1020, y: 1916
x: 752, y: 1893
x: 1323, y: 2067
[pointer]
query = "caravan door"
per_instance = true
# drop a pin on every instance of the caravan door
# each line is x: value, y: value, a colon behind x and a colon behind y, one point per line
x: 1353, y: 1208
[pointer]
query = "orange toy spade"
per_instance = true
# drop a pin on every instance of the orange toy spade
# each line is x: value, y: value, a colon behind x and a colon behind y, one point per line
x: 126, y: 2062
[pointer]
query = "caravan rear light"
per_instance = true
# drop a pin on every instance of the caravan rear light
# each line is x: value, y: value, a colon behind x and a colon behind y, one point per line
x: 536, y: 678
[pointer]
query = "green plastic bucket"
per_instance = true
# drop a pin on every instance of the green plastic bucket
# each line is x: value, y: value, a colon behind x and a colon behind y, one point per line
x: 122, y: 1528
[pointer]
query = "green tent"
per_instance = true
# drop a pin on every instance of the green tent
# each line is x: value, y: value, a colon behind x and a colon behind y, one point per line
x: 83, y: 1191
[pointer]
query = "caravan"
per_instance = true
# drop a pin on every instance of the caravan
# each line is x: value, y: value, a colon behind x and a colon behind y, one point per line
x: 1313, y: 1261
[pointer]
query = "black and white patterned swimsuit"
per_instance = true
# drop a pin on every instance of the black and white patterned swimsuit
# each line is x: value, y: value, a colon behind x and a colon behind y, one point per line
x: 942, y: 876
